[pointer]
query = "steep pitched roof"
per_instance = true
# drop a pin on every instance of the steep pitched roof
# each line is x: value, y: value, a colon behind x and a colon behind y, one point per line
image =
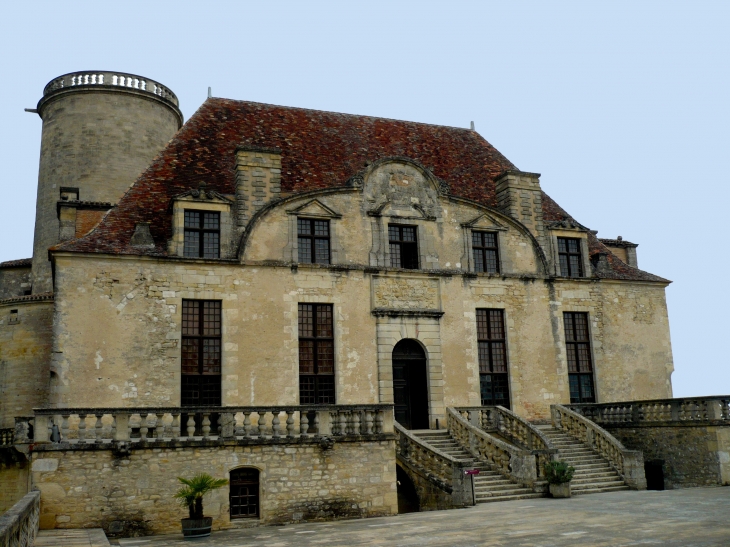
x: 319, y: 150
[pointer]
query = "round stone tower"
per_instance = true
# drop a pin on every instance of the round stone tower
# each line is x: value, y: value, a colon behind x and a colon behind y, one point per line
x: 101, y: 130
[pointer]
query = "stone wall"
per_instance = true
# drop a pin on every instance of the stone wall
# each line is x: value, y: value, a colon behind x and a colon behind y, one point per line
x: 25, y: 354
x: 132, y: 494
x: 693, y: 455
x: 14, y: 282
x: 13, y: 484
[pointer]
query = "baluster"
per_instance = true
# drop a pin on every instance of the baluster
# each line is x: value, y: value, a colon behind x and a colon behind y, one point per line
x: 247, y: 424
x: 378, y: 421
x: 238, y: 426
x: 175, y: 425
x: 64, y: 427
x: 98, y: 433
x: 191, y: 425
x: 275, y: 428
x: 143, y: 85
x: 143, y: 427
x: 368, y: 422
x: 316, y: 422
x: 303, y: 423
x: 114, y: 79
x: 159, y: 426
x: 262, y: 424
x: 289, y: 424
x: 343, y: 423
x: 206, y: 425
x: 82, y: 427
x: 356, y: 422
x: 101, y: 79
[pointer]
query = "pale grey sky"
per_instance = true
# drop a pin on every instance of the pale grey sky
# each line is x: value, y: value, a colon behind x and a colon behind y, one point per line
x: 622, y: 106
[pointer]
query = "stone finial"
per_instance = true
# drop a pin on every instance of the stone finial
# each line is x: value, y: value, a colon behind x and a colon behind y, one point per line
x: 142, y: 236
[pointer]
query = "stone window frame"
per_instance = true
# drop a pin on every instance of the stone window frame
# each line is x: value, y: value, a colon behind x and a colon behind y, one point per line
x: 291, y: 251
x: 380, y: 252
x: 258, y: 517
x: 595, y: 361
x: 220, y: 204
x: 484, y: 223
x: 581, y: 235
x: 201, y: 230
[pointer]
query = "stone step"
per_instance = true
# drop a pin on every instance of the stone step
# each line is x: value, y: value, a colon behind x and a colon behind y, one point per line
x: 510, y: 497
x: 598, y: 475
x: 599, y: 490
x: 498, y: 488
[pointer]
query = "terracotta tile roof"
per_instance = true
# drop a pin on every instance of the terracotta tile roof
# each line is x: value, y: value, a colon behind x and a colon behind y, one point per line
x: 319, y: 150
x: 20, y: 263
x: 40, y: 297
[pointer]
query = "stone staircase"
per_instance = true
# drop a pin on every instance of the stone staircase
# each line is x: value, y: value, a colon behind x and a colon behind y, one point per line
x: 593, y: 473
x: 488, y: 484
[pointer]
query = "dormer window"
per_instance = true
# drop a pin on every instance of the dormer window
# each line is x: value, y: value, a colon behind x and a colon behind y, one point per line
x: 314, y: 241
x: 403, y: 246
x: 486, y: 252
x: 569, y: 257
x: 202, y: 234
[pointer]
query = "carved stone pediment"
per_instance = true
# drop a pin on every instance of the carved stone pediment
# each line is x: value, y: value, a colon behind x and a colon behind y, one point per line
x: 314, y: 209
x: 484, y: 221
x: 401, y: 188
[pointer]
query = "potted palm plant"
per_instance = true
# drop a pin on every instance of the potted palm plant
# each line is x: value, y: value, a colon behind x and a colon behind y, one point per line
x: 558, y: 475
x: 191, y: 495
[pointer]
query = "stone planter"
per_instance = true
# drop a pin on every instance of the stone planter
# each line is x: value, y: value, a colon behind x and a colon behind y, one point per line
x: 560, y: 490
x: 196, y: 528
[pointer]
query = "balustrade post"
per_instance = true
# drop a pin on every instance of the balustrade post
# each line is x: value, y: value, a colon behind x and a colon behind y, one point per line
x: 475, y: 416
x: 289, y: 424
x: 41, y: 429
x: 368, y: 422
x: 324, y: 423
x: 385, y: 421
x: 159, y: 426
x: 191, y: 425
x: 227, y: 422
x: 82, y: 427
x: 262, y: 424
x: 64, y: 427
x: 303, y: 423
x: 674, y: 410
x: 714, y: 409
x: 342, y: 419
x: 275, y: 427
x: 247, y: 424
x: 121, y: 432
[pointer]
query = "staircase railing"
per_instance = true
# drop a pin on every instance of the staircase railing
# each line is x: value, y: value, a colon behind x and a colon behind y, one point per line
x: 443, y: 470
x: 628, y: 463
x: 713, y: 409
x: 515, y: 429
x: 518, y: 464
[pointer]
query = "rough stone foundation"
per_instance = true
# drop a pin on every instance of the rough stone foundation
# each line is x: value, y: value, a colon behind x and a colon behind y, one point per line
x: 133, y: 495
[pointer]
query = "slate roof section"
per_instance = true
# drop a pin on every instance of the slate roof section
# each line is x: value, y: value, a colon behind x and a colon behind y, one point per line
x: 20, y: 263
x: 319, y: 150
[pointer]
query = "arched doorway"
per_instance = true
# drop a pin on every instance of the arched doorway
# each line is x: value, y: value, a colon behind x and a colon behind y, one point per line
x: 410, y: 385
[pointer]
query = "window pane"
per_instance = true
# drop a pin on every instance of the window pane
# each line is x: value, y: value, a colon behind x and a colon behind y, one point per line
x: 490, y: 239
x: 304, y: 226
x: 491, y: 262
x: 192, y: 244
x: 484, y: 357
x: 586, y: 388
x: 324, y: 321
x: 500, y: 389
x: 574, y: 388
x: 496, y: 326
x: 486, y: 389
x: 325, y: 390
x: 305, y: 250
x: 478, y: 260
x: 322, y: 250
x: 393, y: 233
x: 395, y: 261
x: 581, y: 326
x: 212, y: 318
x: 482, y: 325
x: 211, y: 244
x: 409, y: 233
x: 569, y: 329
x: 499, y: 361
x: 564, y: 265
x: 211, y: 221
x: 306, y: 320
x: 572, y: 245
x: 584, y: 357
x: 192, y: 219
x: 190, y: 317
x: 572, y: 358
x: 211, y: 356
x: 574, y: 266
x: 306, y: 356
x: 307, y: 390
x: 189, y: 356
x: 325, y: 357
x: 562, y: 247
x: 409, y: 256
x: 321, y: 227
x: 476, y: 239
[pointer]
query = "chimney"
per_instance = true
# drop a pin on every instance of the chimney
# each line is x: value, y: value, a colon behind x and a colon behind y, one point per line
x: 258, y: 180
x: 519, y: 196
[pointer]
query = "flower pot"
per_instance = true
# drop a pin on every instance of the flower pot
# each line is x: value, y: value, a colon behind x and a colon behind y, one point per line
x: 560, y: 490
x: 196, y: 528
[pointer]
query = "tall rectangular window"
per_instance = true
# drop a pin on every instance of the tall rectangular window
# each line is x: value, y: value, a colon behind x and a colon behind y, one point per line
x: 403, y: 246
x: 201, y: 353
x: 314, y: 241
x: 569, y: 256
x: 486, y: 253
x: 316, y: 355
x: 580, y: 367
x: 202, y: 234
x: 493, y: 376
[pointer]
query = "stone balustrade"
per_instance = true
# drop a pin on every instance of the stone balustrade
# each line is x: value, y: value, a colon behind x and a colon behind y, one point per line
x: 688, y: 410
x: 518, y: 464
x: 89, y: 426
x: 101, y: 78
x: 19, y: 525
x: 515, y: 429
x: 628, y: 463
x: 443, y: 470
